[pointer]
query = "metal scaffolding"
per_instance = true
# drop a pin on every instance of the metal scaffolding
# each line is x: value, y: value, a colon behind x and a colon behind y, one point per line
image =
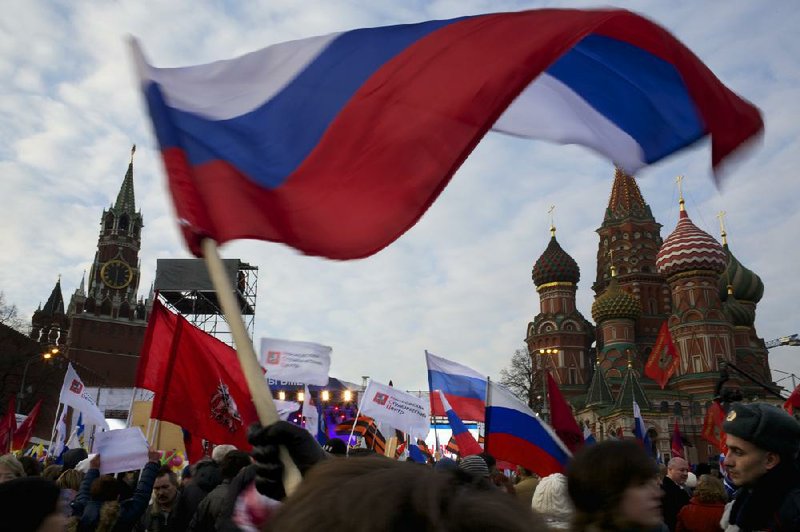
x: 185, y: 287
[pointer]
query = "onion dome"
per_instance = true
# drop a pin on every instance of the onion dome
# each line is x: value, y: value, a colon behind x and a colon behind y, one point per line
x: 615, y: 302
x: 555, y: 265
x: 747, y: 286
x: 689, y: 248
x: 739, y: 314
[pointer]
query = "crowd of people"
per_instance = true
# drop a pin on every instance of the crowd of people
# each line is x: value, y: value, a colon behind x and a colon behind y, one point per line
x: 609, y: 486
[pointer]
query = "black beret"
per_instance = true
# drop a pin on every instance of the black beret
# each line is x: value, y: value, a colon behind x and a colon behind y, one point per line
x: 765, y: 426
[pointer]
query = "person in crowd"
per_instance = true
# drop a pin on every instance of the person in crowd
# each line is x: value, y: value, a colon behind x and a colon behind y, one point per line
x: 206, y: 477
x: 763, y: 443
x: 10, y: 468
x: 73, y: 457
x: 31, y: 504
x: 220, y: 451
x: 97, y: 506
x: 31, y: 466
x: 390, y: 495
x: 208, y: 512
x: 243, y: 481
x: 551, y: 500
x: 526, y: 484
x: 614, y: 487
x: 186, y: 476
x: 52, y: 472
x: 69, y: 482
x: 704, y: 511
x: 165, y: 491
x: 474, y: 465
x: 675, y: 494
x: 691, y: 483
x: 502, y: 482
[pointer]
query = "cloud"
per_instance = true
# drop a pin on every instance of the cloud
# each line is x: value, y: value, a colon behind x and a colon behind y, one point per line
x: 458, y: 283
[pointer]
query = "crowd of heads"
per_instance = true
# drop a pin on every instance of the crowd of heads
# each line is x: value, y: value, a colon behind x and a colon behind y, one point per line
x: 613, y: 485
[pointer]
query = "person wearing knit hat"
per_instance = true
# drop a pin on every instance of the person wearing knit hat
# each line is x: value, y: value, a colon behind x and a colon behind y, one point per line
x: 551, y: 500
x: 474, y: 465
x: 763, y: 442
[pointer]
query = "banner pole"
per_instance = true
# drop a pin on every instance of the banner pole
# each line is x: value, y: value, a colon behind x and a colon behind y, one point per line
x: 61, y: 408
x: 257, y: 384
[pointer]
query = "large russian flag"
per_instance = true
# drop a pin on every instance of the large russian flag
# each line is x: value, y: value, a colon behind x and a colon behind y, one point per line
x: 336, y: 145
x: 515, y: 434
x: 464, y: 388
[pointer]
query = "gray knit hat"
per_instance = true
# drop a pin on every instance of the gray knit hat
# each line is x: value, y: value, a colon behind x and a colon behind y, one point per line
x: 474, y: 465
x: 765, y: 426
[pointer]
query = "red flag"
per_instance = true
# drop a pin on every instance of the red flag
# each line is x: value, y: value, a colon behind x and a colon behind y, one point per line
x: 677, y: 442
x: 197, y: 380
x: 561, y: 418
x: 24, y: 431
x: 664, y: 359
x: 712, y: 426
x: 8, y: 425
x: 793, y: 401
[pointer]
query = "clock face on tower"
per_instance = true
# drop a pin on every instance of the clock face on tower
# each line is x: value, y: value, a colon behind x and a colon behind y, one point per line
x: 116, y: 274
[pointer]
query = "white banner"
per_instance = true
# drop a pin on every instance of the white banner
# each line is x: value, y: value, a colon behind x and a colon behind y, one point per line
x: 121, y: 450
x: 304, y: 362
x: 401, y: 410
x: 75, y: 394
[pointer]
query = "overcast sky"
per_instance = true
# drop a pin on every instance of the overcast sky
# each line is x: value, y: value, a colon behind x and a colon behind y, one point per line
x: 459, y: 282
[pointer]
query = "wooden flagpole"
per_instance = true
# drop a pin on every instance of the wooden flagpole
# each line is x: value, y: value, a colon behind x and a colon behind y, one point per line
x: 262, y: 399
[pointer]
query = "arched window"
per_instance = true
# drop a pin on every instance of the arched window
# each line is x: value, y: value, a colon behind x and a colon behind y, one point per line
x: 678, y: 409
x: 123, y: 222
x: 664, y: 407
x: 109, y: 222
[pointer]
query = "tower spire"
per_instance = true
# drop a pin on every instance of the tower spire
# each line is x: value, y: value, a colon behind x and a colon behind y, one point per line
x: 125, y: 199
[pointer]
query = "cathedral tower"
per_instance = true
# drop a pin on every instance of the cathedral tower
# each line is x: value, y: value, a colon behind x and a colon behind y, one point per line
x: 560, y: 327
x: 630, y: 237
x: 692, y: 262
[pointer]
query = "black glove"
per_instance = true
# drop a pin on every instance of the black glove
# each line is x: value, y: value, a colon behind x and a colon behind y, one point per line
x: 302, y: 447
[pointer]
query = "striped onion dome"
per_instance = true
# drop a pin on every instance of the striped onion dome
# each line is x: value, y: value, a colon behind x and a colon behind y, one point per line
x: 555, y: 265
x: 615, y: 302
x: 690, y: 248
x: 747, y: 286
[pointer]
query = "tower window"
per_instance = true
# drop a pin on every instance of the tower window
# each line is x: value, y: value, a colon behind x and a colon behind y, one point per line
x: 573, y: 375
x: 123, y: 223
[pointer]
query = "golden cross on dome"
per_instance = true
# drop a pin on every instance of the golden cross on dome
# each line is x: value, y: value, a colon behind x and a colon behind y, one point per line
x: 721, y: 216
x: 611, y: 260
x: 679, y: 181
x: 552, y: 220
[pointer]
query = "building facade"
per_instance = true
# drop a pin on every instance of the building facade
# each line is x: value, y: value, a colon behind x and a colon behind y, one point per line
x: 706, y: 296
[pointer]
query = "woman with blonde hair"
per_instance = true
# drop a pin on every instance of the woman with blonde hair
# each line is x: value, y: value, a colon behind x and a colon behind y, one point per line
x: 10, y: 468
x: 704, y: 511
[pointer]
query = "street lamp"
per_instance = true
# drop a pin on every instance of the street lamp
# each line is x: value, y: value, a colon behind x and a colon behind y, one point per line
x: 46, y: 355
x: 545, y: 351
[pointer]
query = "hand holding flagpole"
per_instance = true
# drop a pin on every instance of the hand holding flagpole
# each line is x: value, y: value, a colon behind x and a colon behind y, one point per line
x: 267, y: 413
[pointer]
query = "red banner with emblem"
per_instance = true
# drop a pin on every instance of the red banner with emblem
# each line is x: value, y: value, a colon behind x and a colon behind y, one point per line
x: 664, y: 359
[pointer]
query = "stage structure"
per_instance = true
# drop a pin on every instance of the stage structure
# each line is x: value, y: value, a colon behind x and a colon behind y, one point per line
x: 185, y: 286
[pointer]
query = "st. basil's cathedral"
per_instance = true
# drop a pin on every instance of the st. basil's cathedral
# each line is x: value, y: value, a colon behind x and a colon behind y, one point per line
x: 707, y: 297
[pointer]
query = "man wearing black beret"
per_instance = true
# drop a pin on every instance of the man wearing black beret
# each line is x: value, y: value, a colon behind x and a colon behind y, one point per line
x: 763, y: 443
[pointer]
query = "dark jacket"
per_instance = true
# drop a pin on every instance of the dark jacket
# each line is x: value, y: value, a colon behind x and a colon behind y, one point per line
x: 700, y: 516
x: 674, y: 499
x: 206, y: 478
x: 208, y: 512
x: 154, y: 520
x: 772, y: 503
x: 130, y: 510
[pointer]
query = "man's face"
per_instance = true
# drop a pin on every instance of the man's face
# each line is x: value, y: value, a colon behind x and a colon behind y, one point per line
x: 678, y: 471
x: 165, y: 492
x: 745, y: 462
